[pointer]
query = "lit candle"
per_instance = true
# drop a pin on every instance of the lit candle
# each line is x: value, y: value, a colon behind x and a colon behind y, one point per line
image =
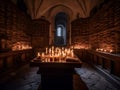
x: 42, y: 54
x: 97, y: 49
x: 111, y: 51
x: 105, y: 50
x: 45, y: 59
x: 52, y: 47
x: 48, y: 59
x: 66, y: 50
x: 38, y: 54
x: 101, y: 50
x: 72, y: 54
x: 50, y: 51
x: 62, y: 48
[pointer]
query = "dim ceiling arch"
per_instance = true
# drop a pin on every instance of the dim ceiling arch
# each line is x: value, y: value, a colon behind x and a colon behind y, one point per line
x: 33, y: 7
x: 38, y: 8
x: 53, y: 11
x: 87, y: 5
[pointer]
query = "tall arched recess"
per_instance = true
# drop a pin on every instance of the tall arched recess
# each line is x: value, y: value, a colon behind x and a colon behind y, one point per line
x: 60, y: 29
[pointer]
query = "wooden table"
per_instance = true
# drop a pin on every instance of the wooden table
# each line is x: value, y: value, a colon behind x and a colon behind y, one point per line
x: 57, y: 75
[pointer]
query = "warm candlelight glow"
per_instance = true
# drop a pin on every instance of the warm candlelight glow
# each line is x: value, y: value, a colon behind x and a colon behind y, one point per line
x: 38, y: 54
x: 21, y: 46
x: 56, y: 53
x: 104, y: 50
x: 79, y: 46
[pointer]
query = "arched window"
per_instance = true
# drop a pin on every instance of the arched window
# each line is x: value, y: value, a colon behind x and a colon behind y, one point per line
x: 59, y: 31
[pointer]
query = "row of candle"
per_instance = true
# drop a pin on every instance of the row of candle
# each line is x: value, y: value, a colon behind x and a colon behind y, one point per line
x: 104, y: 50
x: 21, y: 47
x: 77, y: 46
x: 56, y: 52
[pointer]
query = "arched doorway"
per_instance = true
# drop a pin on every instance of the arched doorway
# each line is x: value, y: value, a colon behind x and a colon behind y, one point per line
x: 60, y: 29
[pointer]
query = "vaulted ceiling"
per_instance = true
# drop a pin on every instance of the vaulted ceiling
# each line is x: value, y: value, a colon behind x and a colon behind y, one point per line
x: 49, y: 8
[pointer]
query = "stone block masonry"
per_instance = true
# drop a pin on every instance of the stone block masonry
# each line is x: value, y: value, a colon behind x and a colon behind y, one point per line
x: 102, y: 29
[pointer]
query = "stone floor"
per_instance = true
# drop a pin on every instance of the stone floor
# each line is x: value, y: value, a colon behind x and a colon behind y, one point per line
x: 93, y: 79
x: 26, y: 78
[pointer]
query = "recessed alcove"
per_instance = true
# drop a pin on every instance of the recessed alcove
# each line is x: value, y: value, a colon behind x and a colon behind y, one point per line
x: 60, y: 29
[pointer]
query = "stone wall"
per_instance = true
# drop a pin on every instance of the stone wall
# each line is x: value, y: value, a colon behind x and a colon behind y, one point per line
x: 105, y: 40
x: 14, y: 25
x: 40, y: 33
x: 102, y: 29
x: 79, y: 33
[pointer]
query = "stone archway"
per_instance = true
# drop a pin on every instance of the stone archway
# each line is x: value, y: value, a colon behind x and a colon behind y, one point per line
x: 60, y: 29
x: 52, y: 13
